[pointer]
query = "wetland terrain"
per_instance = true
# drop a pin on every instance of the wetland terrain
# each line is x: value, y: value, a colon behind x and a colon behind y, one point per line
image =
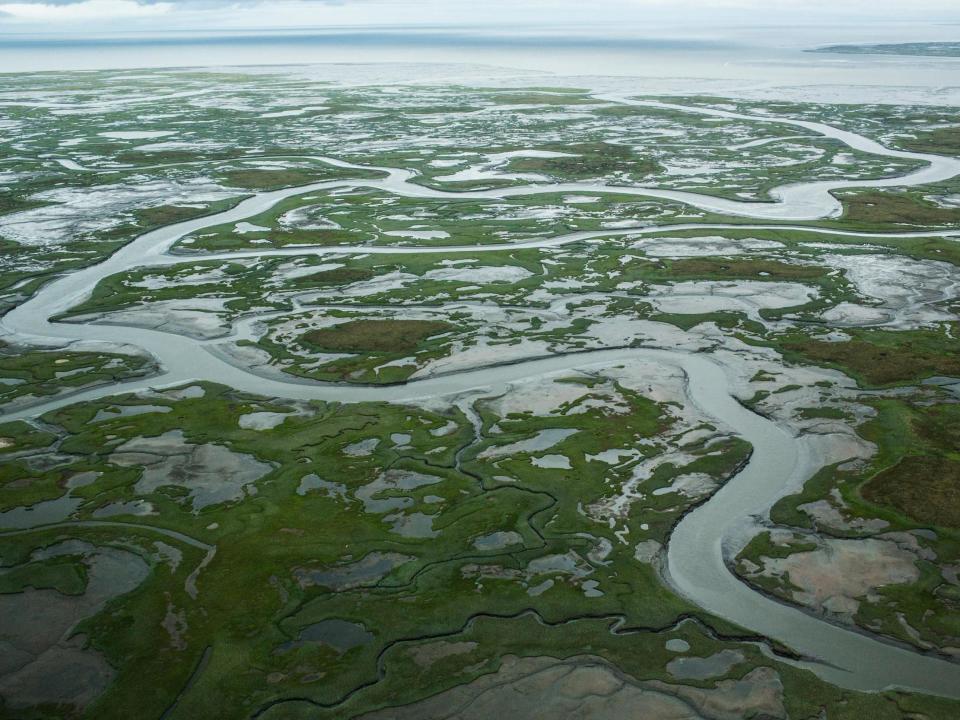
x: 367, y: 399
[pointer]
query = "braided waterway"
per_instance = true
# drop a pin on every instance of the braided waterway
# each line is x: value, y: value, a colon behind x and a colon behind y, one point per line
x: 707, y: 538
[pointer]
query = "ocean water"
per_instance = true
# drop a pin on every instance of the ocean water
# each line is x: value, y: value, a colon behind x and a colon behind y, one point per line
x: 743, y: 61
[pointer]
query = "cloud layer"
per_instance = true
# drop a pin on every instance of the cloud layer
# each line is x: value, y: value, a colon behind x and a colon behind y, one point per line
x: 69, y: 11
x: 58, y: 15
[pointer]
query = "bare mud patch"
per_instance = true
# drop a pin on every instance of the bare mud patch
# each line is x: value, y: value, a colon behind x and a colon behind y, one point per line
x: 840, y: 574
x: 211, y: 474
x: 366, y: 571
x: 589, y: 687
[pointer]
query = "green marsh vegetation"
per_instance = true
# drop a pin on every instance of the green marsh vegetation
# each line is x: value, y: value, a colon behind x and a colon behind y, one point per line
x: 269, y: 541
x: 389, y: 336
x: 445, y: 540
x: 48, y: 372
x: 883, y: 357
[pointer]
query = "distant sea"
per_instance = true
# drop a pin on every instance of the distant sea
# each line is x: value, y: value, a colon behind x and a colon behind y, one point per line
x: 747, y: 61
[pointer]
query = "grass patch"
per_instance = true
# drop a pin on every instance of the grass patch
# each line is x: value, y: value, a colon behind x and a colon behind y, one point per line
x: 878, y: 208
x: 944, y: 141
x: 259, y: 179
x: 337, y: 276
x: 741, y: 269
x: 939, y: 427
x: 926, y: 488
x: 884, y: 358
x: 826, y: 413
x: 47, y: 372
x: 62, y: 575
x: 168, y: 215
x: 723, y: 319
x: 375, y: 335
x: 595, y: 159
x: 542, y: 98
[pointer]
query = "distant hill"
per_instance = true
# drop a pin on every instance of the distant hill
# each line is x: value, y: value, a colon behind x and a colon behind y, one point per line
x: 929, y: 49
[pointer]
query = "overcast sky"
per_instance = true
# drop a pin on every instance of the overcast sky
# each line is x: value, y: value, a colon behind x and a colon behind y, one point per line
x: 90, y: 16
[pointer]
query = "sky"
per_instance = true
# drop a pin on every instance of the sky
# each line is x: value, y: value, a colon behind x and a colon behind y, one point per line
x: 99, y: 16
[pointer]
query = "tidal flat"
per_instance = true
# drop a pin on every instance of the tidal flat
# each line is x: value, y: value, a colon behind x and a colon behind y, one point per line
x: 325, y: 399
